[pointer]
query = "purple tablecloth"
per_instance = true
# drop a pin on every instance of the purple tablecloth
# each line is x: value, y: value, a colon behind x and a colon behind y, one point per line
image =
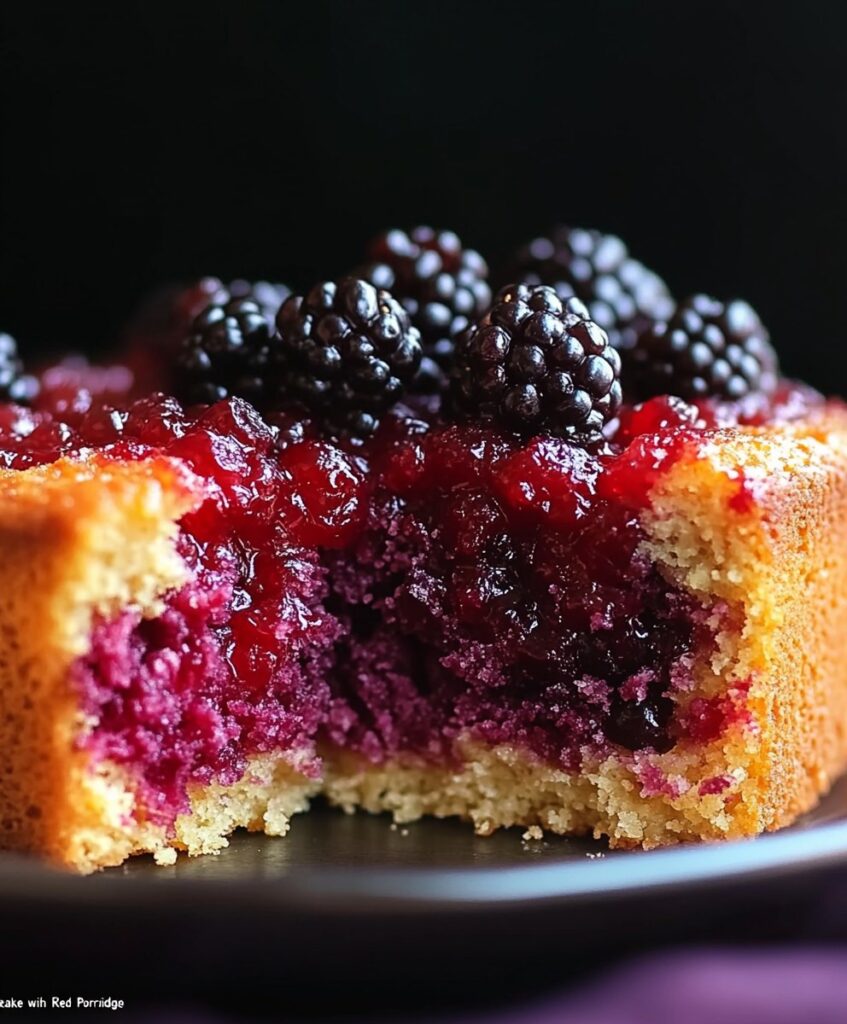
x: 806, y: 985
x: 708, y: 987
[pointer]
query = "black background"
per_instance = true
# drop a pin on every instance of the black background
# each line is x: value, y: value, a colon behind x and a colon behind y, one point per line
x: 144, y: 142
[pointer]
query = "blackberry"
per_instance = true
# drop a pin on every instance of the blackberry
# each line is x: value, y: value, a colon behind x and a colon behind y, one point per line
x: 225, y: 354
x: 441, y: 285
x: 269, y: 295
x: 165, y: 317
x: 537, y: 363
x: 622, y: 295
x: 346, y: 351
x: 639, y: 726
x: 15, y: 385
x: 706, y: 349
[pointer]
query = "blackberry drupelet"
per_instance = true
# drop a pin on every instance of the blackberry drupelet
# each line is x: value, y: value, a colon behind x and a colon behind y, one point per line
x: 346, y: 351
x: 15, y: 385
x: 442, y: 286
x: 225, y: 354
x: 706, y: 349
x: 621, y: 294
x: 536, y: 363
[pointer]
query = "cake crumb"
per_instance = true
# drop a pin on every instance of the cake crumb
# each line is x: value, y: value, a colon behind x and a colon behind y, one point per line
x: 595, y: 856
x: 533, y: 832
x: 165, y: 856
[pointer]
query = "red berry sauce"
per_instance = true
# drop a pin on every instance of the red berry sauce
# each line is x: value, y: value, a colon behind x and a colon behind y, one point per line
x: 236, y: 663
x: 506, y: 597
x: 440, y: 580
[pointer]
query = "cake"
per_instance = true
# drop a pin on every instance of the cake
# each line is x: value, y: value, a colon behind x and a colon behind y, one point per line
x: 515, y: 586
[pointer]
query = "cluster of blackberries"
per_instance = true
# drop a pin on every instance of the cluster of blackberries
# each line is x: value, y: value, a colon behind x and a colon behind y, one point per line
x: 584, y: 326
x: 345, y: 352
x: 700, y: 349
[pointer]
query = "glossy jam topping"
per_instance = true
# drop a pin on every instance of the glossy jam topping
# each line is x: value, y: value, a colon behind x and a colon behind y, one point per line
x: 439, y: 581
x: 506, y: 596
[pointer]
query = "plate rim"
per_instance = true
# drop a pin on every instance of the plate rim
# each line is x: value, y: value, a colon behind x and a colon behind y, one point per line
x: 377, y: 889
x: 630, y: 873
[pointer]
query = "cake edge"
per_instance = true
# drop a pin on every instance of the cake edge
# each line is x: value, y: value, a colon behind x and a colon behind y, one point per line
x: 88, y: 537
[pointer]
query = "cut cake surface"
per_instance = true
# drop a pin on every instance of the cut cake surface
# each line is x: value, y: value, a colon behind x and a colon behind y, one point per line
x: 746, y: 525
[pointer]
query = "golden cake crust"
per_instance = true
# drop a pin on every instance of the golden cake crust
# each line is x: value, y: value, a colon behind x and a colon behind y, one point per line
x: 77, y: 538
x: 759, y: 521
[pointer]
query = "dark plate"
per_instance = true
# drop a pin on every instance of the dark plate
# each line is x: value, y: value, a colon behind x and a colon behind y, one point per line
x: 371, y: 898
x: 366, y: 864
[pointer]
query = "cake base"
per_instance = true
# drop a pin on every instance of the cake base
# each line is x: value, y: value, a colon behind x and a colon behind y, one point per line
x: 264, y: 800
x: 501, y: 787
